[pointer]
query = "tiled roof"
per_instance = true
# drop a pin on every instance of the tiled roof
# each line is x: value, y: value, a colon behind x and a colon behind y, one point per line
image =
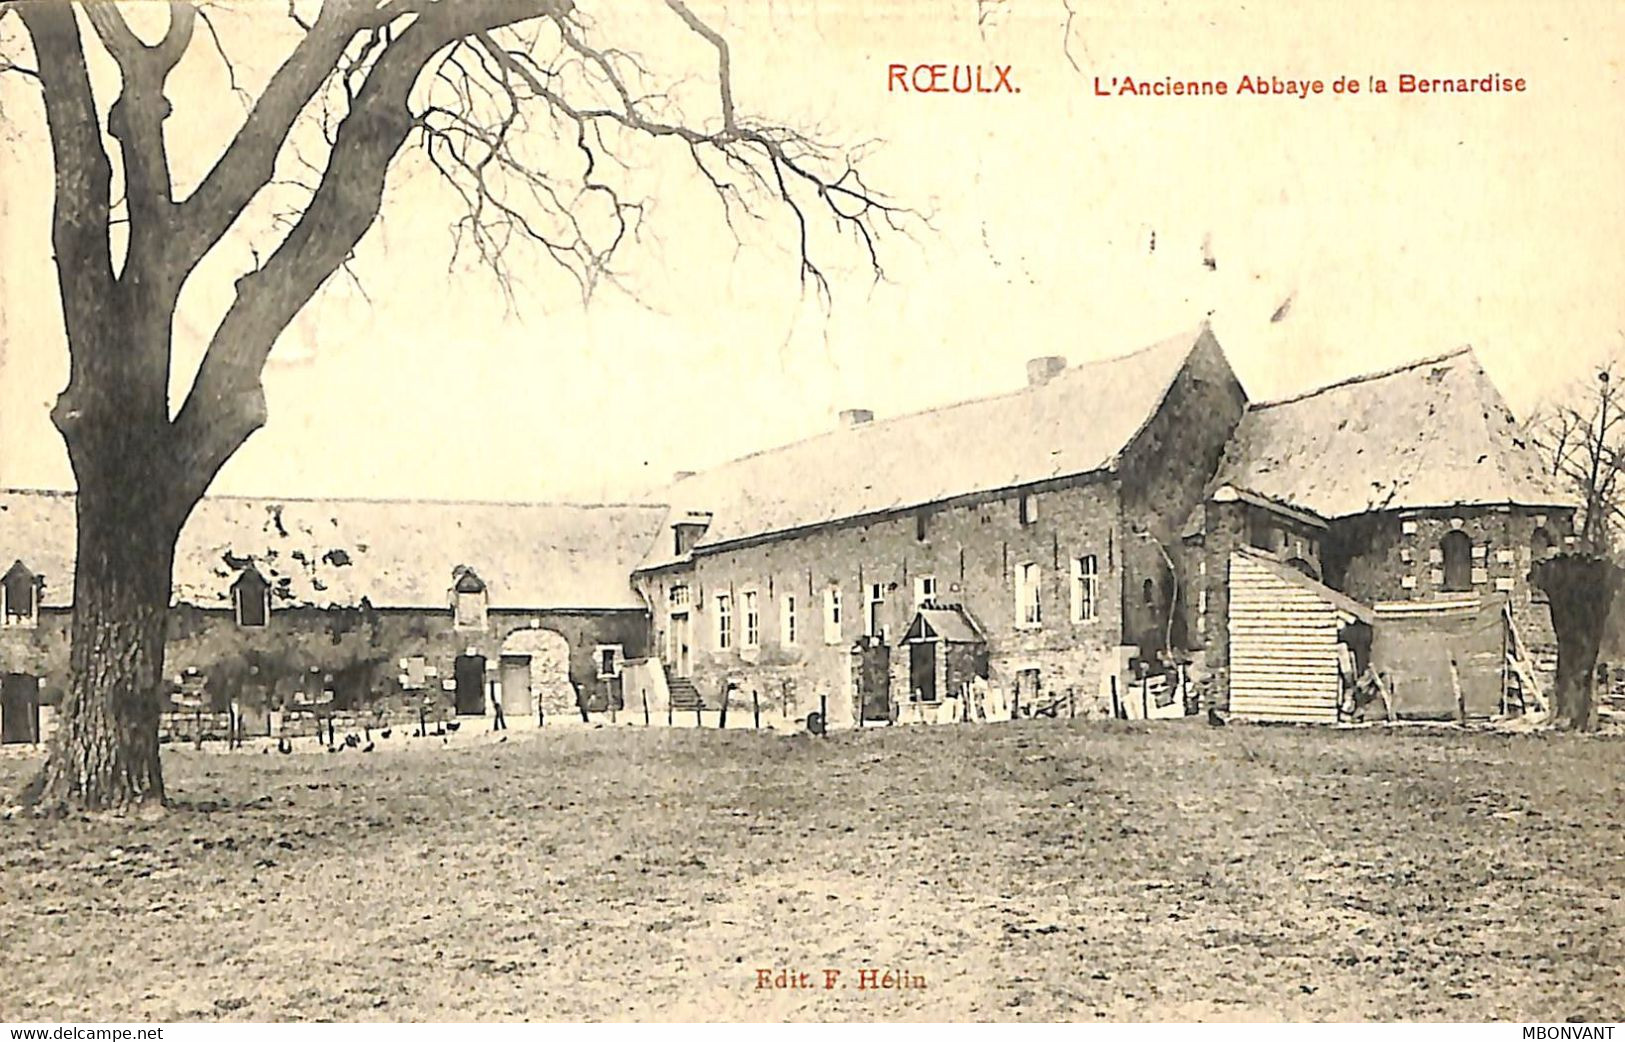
x: 1076, y: 422
x: 1434, y: 433
x: 394, y: 553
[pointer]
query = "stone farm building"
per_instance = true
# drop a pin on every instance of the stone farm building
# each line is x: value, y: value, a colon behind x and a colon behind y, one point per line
x: 350, y: 604
x: 1036, y: 552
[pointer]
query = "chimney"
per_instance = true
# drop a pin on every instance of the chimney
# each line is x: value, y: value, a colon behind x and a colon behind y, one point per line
x: 681, y: 475
x: 856, y: 417
x: 1041, y: 370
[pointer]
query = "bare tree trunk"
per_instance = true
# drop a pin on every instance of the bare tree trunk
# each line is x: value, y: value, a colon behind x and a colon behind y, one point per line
x: 1580, y: 589
x: 104, y: 754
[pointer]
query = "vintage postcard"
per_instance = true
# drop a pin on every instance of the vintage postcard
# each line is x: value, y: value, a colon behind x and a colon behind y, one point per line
x: 707, y: 510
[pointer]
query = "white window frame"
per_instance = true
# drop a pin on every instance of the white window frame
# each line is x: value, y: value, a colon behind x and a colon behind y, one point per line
x: 616, y: 658
x: 1027, y: 508
x: 1085, y: 589
x: 750, y: 613
x: 1029, y: 598
x: 925, y: 590
x: 723, y: 602
x: 832, y: 615
x: 874, y: 603
x: 787, y: 620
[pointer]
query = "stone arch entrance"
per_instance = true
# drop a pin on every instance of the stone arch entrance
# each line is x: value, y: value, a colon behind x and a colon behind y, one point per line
x: 536, y: 674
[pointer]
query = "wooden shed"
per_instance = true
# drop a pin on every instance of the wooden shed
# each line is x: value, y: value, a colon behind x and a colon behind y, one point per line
x: 1284, y: 641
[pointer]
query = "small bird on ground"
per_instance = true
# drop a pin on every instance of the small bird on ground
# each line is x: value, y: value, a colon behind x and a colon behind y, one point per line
x: 1213, y: 717
x: 384, y: 733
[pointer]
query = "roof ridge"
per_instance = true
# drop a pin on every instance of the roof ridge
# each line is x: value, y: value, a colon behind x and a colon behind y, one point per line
x: 1363, y: 378
x: 403, y: 501
x: 1191, y: 340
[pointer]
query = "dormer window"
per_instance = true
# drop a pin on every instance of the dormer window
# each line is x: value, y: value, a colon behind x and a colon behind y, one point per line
x: 251, y: 599
x: 684, y: 535
x: 19, y: 596
x: 468, y: 601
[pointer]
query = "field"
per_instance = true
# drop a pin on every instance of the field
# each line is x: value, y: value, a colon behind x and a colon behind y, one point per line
x: 1036, y: 871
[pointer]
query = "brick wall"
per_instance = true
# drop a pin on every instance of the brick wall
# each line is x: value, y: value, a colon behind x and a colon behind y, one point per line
x: 1396, y: 556
x: 354, y: 651
x: 1165, y: 473
x: 971, y: 548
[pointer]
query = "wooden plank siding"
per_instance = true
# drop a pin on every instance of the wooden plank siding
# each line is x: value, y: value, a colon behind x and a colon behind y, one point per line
x: 1283, y: 648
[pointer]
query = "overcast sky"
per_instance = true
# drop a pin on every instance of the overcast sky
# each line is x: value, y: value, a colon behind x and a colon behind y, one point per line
x: 1396, y: 226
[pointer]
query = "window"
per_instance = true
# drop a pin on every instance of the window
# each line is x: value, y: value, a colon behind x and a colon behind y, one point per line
x: 787, y: 620
x: 19, y: 597
x: 1085, y: 588
x: 1261, y: 535
x: 1148, y: 593
x: 1540, y: 544
x: 1457, y: 551
x: 1029, y: 508
x: 925, y: 590
x: 725, y: 621
x: 753, y: 620
x: 609, y: 660
x: 921, y: 526
x: 684, y: 535
x: 873, y: 611
x: 414, y: 673
x: 1029, y: 609
x: 251, y: 599
x: 832, y: 615
x: 468, y: 601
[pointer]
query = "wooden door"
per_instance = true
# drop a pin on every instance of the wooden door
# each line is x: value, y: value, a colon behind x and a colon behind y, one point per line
x: 922, y: 671
x: 19, y: 708
x: 681, y: 655
x: 874, y: 682
x: 470, y: 679
x: 516, y: 686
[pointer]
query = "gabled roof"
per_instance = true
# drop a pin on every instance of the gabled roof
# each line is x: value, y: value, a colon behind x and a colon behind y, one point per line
x: 943, y: 622
x: 1077, y: 422
x: 393, y: 553
x: 1286, y: 573
x: 1434, y: 433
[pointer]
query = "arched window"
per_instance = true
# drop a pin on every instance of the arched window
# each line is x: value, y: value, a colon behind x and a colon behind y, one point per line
x: 1457, y: 551
x: 468, y: 601
x: 1148, y: 593
x: 251, y: 599
x: 1540, y: 544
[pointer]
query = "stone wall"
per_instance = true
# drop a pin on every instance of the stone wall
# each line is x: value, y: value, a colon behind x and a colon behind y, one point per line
x: 1395, y: 556
x: 1165, y: 474
x: 972, y: 548
x: 354, y: 652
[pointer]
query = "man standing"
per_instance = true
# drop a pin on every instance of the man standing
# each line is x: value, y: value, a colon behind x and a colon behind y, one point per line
x: 497, y: 721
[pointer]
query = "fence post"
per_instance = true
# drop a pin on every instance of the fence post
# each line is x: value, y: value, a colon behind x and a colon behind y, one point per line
x: 755, y: 710
x: 644, y: 692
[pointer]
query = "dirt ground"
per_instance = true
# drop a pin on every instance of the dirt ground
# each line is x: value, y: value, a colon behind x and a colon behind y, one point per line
x: 1039, y: 870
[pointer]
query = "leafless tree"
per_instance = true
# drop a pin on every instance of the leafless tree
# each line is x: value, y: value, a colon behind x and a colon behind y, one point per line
x: 484, y: 88
x: 1581, y: 440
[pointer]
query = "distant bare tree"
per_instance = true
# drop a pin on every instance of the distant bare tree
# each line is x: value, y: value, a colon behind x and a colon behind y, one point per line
x: 522, y: 106
x: 1581, y: 439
